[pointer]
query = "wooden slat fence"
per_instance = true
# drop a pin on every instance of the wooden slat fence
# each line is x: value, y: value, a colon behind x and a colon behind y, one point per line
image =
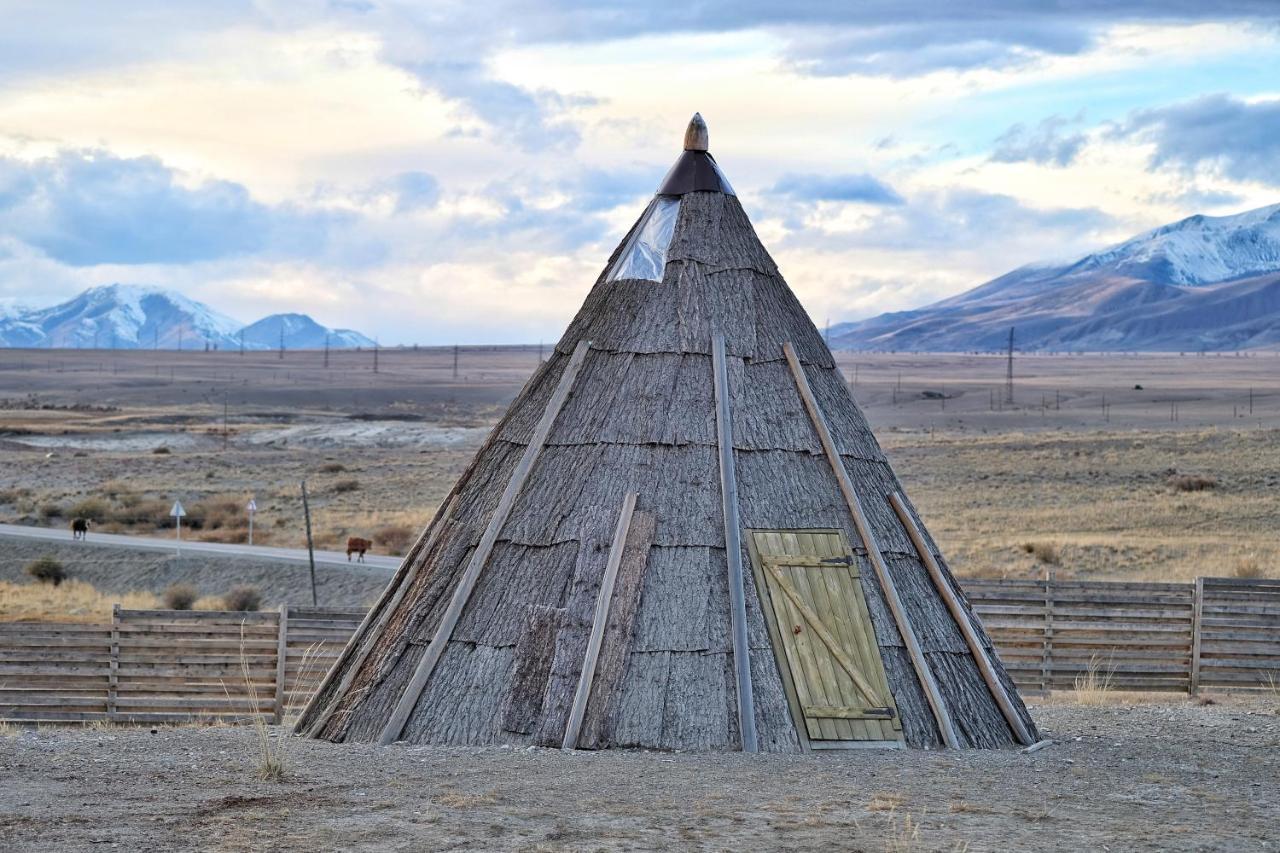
x: 1216, y: 633
x: 152, y: 666
x: 163, y: 666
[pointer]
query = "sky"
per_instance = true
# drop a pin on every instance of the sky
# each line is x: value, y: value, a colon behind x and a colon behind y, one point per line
x: 459, y: 172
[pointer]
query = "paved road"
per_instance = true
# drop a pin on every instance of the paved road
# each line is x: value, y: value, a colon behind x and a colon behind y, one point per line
x: 289, y: 555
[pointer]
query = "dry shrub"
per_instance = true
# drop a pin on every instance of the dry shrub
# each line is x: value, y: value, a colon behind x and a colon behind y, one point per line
x: 332, y: 468
x: 47, y: 569
x: 94, y: 509
x: 1249, y: 568
x: 1045, y: 552
x: 1192, y: 483
x: 161, y: 451
x: 346, y: 486
x: 396, y: 538
x: 180, y: 596
x: 242, y: 598
x: 50, y: 510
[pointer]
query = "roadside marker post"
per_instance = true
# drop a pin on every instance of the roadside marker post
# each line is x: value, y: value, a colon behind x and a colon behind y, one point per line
x: 252, y: 507
x: 177, y: 514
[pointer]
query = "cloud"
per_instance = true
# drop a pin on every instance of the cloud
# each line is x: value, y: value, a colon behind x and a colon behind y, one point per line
x: 848, y: 188
x: 1043, y: 144
x: 959, y: 219
x: 413, y: 191
x: 1218, y: 133
x: 90, y: 207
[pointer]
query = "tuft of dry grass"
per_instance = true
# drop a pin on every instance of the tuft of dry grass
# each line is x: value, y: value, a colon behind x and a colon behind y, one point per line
x: 270, y: 749
x: 332, y: 468
x: 467, y: 801
x: 1248, y: 567
x: 885, y: 802
x: 343, y: 486
x: 1093, y: 686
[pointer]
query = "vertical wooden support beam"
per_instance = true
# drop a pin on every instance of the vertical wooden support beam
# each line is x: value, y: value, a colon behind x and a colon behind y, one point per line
x: 282, y: 658
x: 603, y: 599
x: 362, y: 641
x: 733, y: 548
x: 896, y: 607
x: 113, y: 676
x: 980, y: 656
x: 1197, y: 614
x: 462, y: 593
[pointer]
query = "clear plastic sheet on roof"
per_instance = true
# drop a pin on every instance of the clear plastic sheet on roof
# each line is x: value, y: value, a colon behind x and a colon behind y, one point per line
x: 646, y: 256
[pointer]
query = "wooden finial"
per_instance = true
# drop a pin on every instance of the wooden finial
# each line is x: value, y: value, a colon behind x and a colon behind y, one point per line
x: 695, y: 136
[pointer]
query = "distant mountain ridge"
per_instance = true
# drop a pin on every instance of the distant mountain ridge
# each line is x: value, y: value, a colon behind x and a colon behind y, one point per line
x: 1202, y: 283
x: 128, y: 316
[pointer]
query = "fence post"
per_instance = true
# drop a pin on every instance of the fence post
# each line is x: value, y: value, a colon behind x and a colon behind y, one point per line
x: 1046, y: 654
x: 113, y: 676
x: 282, y: 656
x: 1197, y: 612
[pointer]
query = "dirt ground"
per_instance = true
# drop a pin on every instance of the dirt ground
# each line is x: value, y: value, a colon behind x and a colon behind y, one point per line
x: 1171, y: 775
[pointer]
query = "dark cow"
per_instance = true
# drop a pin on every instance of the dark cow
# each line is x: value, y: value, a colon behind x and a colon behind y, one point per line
x: 80, y: 528
x: 357, y: 546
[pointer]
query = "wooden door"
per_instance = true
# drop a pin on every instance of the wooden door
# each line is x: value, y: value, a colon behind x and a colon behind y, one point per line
x: 823, y: 638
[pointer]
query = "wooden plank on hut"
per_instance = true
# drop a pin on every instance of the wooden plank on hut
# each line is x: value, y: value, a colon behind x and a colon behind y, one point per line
x: 616, y: 645
x: 958, y: 613
x: 534, y: 651
x: 931, y: 691
x: 733, y: 548
x: 603, y: 600
x: 427, y: 664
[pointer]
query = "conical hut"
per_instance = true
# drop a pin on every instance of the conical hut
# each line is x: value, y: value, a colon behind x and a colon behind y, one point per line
x: 681, y: 535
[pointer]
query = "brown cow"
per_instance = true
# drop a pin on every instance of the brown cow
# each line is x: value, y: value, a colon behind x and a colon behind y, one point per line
x: 356, y: 545
x: 80, y: 527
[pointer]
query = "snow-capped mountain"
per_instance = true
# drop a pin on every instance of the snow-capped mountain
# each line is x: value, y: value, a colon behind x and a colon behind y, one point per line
x: 126, y: 316
x: 1197, y: 250
x: 299, y: 332
x: 1202, y: 283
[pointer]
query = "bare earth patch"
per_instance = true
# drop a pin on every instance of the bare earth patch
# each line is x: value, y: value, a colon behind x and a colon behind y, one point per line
x: 1169, y: 775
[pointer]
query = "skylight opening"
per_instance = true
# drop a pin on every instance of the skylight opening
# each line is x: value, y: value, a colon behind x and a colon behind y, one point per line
x: 645, y: 257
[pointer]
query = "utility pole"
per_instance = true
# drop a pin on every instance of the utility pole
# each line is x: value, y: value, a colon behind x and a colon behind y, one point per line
x: 1008, y: 378
x: 326, y: 350
x: 375, y: 355
x: 311, y: 553
x: 282, y: 339
x: 225, y: 432
x: 242, y: 341
x: 179, y: 338
x: 455, y: 361
x: 540, y: 356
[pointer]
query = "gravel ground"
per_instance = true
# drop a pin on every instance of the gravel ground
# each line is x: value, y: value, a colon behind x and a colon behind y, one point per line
x: 1168, y: 776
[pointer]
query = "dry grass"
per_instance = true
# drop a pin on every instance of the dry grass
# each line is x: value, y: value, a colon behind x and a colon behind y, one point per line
x: 885, y: 802
x: 271, y: 749
x: 1093, y: 686
x: 72, y: 601
x: 467, y: 801
x: 76, y: 601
